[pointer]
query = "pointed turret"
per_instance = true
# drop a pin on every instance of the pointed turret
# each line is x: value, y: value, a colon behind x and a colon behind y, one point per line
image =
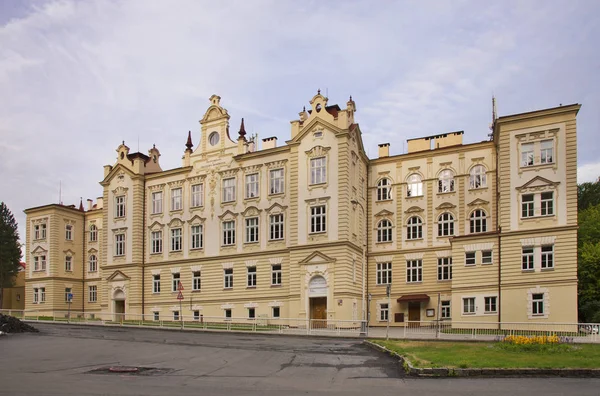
x: 242, y: 132
x: 81, y: 205
x: 189, y: 143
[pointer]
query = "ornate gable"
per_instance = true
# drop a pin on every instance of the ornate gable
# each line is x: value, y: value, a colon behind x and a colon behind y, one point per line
x: 117, y: 276
x: 478, y: 202
x: 228, y: 214
x: 317, y: 258
x: 384, y: 213
x: 446, y: 205
x: 413, y: 209
x: 538, y: 183
x: 276, y: 208
x: 251, y: 211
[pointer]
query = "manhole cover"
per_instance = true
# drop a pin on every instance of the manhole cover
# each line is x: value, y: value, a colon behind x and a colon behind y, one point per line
x: 131, y: 370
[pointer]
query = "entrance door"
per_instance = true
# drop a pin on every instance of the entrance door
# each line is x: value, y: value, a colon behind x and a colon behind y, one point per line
x: 119, y: 310
x: 414, y: 312
x: 318, y: 311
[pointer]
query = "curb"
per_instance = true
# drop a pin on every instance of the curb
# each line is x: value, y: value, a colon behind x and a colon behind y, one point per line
x: 407, y: 368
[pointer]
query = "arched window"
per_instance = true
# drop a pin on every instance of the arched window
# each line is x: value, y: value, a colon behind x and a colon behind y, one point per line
x: 446, y: 181
x: 414, y: 229
x: 414, y: 186
x: 477, y: 178
x: 93, y: 263
x: 93, y: 233
x: 446, y: 224
x: 384, y: 189
x: 478, y: 221
x: 384, y: 231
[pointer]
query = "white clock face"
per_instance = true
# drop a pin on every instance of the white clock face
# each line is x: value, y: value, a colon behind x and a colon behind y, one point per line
x: 213, y: 139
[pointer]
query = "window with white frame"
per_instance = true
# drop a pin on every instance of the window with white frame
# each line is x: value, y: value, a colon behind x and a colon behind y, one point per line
x: 547, y: 256
x: 252, y: 230
x: 227, y: 314
x: 384, y: 189
x: 68, y: 263
x: 444, y: 266
x: 39, y: 231
x: 469, y: 305
x: 547, y: 151
x: 196, y: 315
x: 414, y: 186
x: 36, y: 295
x: 42, y: 294
x: 384, y: 273
x: 275, y: 312
x: 527, y: 258
x: 93, y: 263
x: 276, y: 227
x: 43, y: 263
x: 93, y: 293
x: 470, y: 258
x: 384, y: 312
x: 276, y: 181
x: 36, y: 263
x: 228, y: 278
x: 446, y: 224
x: 120, y: 206
x: 196, y: 280
x: 318, y: 219
x: 228, y: 190
x: 176, y: 199
x: 478, y: 221
x: 318, y: 170
x: 176, y: 239
x: 527, y: 154
x: 414, y: 271
x: 477, y: 177
x: 537, y: 303
x: 68, y: 294
x: 490, y: 304
x: 93, y: 233
x: 156, y: 315
x: 276, y: 274
x: 446, y: 181
x: 384, y: 231
x: 175, y: 315
x: 157, y: 202
x: 414, y: 228
x: 547, y: 203
x: 229, y: 233
x: 446, y: 312
x: 251, y: 313
x: 157, y: 241
x: 527, y: 205
x: 175, y: 279
x: 197, y: 235
x: 486, y: 257
x: 156, y: 283
x: 197, y: 195
x: 69, y: 232
x: 251, y: 276
x: 252, y: 185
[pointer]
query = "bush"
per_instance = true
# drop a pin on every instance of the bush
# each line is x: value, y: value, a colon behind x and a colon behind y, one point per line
x: 549, y: 344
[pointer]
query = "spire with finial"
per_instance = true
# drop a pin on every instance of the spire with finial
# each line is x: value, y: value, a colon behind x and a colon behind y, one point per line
x: 81, y: 204
x: 319, y: 91
x: 242, y: 132
x: 189, y: 143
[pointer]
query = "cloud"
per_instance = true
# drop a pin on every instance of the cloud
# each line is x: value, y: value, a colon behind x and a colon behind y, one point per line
x: 588, y: 172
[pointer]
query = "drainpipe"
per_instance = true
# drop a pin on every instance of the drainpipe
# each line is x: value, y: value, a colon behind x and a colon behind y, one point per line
x: 144, y: 248
x: 83, y: 257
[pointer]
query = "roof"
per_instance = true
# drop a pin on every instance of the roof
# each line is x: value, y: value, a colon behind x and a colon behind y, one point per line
x: 439, y: 135
x: 413, y: 298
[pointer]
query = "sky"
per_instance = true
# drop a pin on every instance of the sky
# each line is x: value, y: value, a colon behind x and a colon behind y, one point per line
x: 79, y: 77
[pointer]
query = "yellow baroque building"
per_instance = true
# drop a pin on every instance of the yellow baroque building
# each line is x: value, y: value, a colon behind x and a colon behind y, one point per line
x: 314, y: 229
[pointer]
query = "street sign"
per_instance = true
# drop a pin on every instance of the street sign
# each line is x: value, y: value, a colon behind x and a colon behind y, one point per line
x: 179, y: 287
x: 70, y: 297
x: 180, y: 296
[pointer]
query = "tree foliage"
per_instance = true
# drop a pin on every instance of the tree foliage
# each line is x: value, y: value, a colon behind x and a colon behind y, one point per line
x: 588, y: 252
x: 588, y: 194
x: 10, y: 249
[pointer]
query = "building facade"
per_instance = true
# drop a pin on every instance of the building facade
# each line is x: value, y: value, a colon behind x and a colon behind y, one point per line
x: 314, y: 229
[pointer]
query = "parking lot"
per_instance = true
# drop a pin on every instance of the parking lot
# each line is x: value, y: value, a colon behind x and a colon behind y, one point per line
x: 74, y: 360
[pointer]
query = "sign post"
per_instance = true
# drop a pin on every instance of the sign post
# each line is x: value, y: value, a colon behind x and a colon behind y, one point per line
x: 387, y: 329
x: 69, y: 299
x: 180, y: 298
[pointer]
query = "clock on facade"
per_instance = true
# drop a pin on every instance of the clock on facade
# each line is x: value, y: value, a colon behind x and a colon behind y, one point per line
x: 213, y: 139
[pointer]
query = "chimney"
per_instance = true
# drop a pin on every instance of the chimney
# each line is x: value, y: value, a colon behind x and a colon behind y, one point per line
x: 270, y: 142
x: 90, y: 203
x: 384, y: 150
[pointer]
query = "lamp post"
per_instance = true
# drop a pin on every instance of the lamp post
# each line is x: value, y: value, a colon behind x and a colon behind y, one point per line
x: 364, y: 264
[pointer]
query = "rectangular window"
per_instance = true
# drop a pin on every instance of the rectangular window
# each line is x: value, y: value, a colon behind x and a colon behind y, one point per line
x: 275, y: 312
x: 228, y: 278
x: 175, y: 282
x: 42, y: 263
x: 486, y: 257
x: 537, y: 304
x: 93, y: 293
x: 276, y: 274
x: 228, y: 314
x: 156, y: 316
x: 155, y: 283
x: 444, y: 268
x: 40, y: 231
x: 318, y: 219
x: 36, y: 263
x: 176, y: 199
x: 276, y: 181
x: 42, y: 294
x: 276, y: 227
x: 196, y: 315
x: 196, y: 280
x: 446, y: 312
x: 176, y: 240
x: 251, y: 277
x: 547, y: 151
x: 384, y: 273
x: 252, y: 230
x: 69, y: 232
x: 469, y: 305
x: 547, y: 203
x: 384, y: 312
x: 120, y: 206
x: 120, y: 245
x: 251, y: 313
x: 229, y: 233
x: 175, y: 315
x: 197, y: 236
x: 318, y: 170
x: 156, y: 241
x: 547, y: 256
x: 470, y: 258
x: 36, y: 295
x: 197, y: 195
x: 68, y: 294
x: 228, y: 190
x: 526, y: 154
x: 252, y: 185
x: 157, y: 200
x: 93, y: 264
x: 68, y: 263
x: 527, y: 258
x: 527, y: 205
x: 414, y: 271
x: 490, y: 304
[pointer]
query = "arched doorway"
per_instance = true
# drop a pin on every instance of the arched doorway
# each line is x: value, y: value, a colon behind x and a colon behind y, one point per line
x: 119, y: 308
x: 317, y: 295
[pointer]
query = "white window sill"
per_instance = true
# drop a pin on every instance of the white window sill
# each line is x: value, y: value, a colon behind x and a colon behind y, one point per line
x: 317, y: 233
x: 445, y: 192
x: 197, y: 249
x: 414, y: 281
x: 528, y: 270
x: 478, y: 188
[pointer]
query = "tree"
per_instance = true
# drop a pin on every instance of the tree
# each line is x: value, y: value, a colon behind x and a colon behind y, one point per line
x: 10, y: 249
x: 588, y: 194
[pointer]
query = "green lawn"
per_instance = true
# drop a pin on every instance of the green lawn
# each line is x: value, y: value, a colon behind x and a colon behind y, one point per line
x: 490, y: 355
